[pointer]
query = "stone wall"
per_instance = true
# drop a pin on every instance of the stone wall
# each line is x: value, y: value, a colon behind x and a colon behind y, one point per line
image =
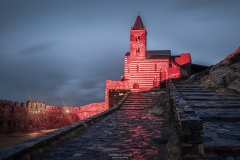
x: 34, y: 116
x: 190, y: 125
x: 116, y: 85
x: 183, y: 59
x: 181, y: 66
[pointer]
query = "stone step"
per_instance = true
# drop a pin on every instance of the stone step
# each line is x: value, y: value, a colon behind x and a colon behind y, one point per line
x: 210, y: 98
x: 222, y: 135
x: 131, y: 108
x: 195, y: 91
x: 140, y: 102
x: 139, y: 98
x: 218, y: 102
x: 210, y: 104
x: 199, y: 94
x: 147, y: 98
x: 188, y: 86
x: 137, y: 101
x: 137, y: 104
x: 220, y: 114
x: 143, y: 96
x: 148, y: 101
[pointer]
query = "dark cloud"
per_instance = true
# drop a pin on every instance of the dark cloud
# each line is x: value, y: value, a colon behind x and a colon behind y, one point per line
x: 38, y: 48
x: 62, y: 53
x: 187, y: 5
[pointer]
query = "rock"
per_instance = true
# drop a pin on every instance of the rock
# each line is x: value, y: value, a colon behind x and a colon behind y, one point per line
x: 236, y: 67
x: 233, y: 54
x: 235, y: 85
x: 229, y: 77
x: 235, y: 58
x: 204, y: 78
x: 156, y: 110
x: 212, y: 82
x: 223, y: 63
x: 223, y: 74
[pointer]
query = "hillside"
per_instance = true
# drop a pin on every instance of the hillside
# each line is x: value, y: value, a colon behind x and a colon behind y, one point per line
x: 224, y: 77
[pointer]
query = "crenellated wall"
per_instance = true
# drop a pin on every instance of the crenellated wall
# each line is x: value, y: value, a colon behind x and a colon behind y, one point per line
x: 34, y: 116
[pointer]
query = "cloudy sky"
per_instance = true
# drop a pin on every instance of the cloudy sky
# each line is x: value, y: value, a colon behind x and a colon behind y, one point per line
x: 62, y: 51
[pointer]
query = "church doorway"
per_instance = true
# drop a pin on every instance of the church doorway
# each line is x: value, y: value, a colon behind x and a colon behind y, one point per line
x: 135, y: 85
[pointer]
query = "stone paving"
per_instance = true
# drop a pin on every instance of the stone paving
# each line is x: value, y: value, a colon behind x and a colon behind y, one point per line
x: 221, y: 120
x: 9, y: 140
x: 125, y: 134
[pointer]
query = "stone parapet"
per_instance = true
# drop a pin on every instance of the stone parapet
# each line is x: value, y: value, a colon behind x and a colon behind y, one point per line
x: 33, y: 147
x: 33, y: 116
x: 190, y: 125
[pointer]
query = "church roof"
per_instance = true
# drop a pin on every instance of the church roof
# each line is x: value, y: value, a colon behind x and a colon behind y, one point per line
x: 138, y: 25
x: 156, y: 54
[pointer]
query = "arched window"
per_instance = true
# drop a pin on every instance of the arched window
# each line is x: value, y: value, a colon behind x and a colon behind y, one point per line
x: 138, y: 50
x: 138, y: 38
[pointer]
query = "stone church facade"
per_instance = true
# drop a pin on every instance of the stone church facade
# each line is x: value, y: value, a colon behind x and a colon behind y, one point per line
x: 146, y: 69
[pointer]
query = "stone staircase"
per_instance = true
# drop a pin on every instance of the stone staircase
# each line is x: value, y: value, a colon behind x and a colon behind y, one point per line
x: 139, y: 101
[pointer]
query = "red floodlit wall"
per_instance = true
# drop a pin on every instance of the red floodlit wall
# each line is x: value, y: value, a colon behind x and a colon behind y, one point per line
x: 138, y: 44
x: 126, y: 67
x: 90, y: 110
x: 174, y: 72
x: 36, y: 115
x: 145, y: 72
x: 183, y: 59
x: 114, y: 85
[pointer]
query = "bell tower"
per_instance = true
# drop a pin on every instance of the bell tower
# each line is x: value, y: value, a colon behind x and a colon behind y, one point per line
x: 138, y: 35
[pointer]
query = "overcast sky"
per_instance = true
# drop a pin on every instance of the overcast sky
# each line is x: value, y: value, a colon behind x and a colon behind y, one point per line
x: 62, y: 51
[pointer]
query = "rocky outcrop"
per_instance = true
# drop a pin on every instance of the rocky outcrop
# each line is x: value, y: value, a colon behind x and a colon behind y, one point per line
x: 225, y: 74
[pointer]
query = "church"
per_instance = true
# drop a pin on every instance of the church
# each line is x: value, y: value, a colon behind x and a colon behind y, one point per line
x: 146, y: 69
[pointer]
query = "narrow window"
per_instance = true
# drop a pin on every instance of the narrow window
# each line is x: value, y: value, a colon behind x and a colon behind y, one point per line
x: 138, y: 39
x: 138, y: 50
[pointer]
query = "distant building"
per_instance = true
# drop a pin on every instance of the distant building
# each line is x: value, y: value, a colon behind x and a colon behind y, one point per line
x: 145, y: 69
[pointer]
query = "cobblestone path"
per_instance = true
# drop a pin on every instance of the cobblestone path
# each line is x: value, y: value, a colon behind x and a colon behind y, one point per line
x: 124, y: 134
